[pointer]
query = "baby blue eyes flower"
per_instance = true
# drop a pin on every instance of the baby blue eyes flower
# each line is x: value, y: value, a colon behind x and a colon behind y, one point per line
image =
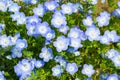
x: 104, y: 39
x: 51, y: 5
x: 116, y: 60
x: 103, y: 19
x: 94, y: 2
x: 16, y: 52
x: 71, y: 68
x: 57, y: 71
x: 39, y: 63
x: 39, y: 11
x: 61, y: 43
x: 3, y: 7
x: 2, y: 75
x: 14, y: 7
x: 88, y: 70
x: 116, y: 12
x: 21, y: 44
x: 50, y: 35
x: 46, y: 54
x: 88, y: 21
x: 23, y: 69
x: 67, y: 8
x: 63, y: 29
x: 113, y: 77
x: 92, y: 33
x: 43, y: 28
x: 112, y: 53
x: 119, y: 4
x: 58, y: 20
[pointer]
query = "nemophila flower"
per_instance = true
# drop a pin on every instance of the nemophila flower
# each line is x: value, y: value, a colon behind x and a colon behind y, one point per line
x: 47, y: 42
x: 23, y: 69
x: 21, y: 19
x: 116, y: 60
x: 57, y: 71
x: 42, y: 28
x: 3, y: 7
x: 39, y: 11
x: 2, y: 26
x: 83, y: 37
x: 33, y: 1
x: 16, y: 15
x: 16, y: 52
x: 112, y: 35
x: 113, y: 77
x: 51, y: 5
x: 33, y: 20
x: 112, y: 53
x: 63, y: 29
x: 88, y: 70
x: 116, y: 12
x: 88, y: 21
x: 89, y: 79
x: 50, y: 35
x: 8, y: 3
x: 103, y: 19
x: 71, y: 68
x: 71, y: 50
x: 104, y: 39
x: 33, y: 62
x: 92, y: 33
x: 4, y: 41
x: 14, y: 39
x: 74, y: 32
x: 67, y: 8
x: 77, y: 7
x: 61, y: 43
x: 2, y: 75
x: 103, y: 76
x: 58, y: 20
x: 39, y: 64
x: 75, y: 43
x: 94, y: 2
x: 46, y: 54
x: 21, y: 44
x: 14, y: 7
x: 119, y: 4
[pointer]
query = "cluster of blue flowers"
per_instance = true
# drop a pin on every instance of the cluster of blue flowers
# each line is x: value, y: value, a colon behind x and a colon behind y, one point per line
x: 70, y: 40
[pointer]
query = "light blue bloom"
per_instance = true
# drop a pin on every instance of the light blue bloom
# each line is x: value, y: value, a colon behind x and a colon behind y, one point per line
x: 113, y: 77
x: 16, y: 52
x: 33, y: 1
x: 61, y: 43
x: 94, y: 2
x: 71, y: 68
x: 39, y: 64
x: 88, y: 21
x: 46, y: 54
x: 88, y: 70
x: 43, y: 28
x: 21, y: 44
x: 3, y: 7
x: 104, y: 39
x: 75, y: 43
x: 14, y: 7
x: 112, y: 53
x: 4, y: 41
x: 77, y: 7
x: 2, y: 75
x: 39, y: 11
x: 116, y: 60
x: 51, y: 5
x: 92, y: 33
x: 74, y: 32
x: 119, y: 4
x: 67, y: 8
x: 103, y: 19
x: 116, y: 12
x: 16, y: 15
x: 50, y: 35
x: 23, y: 69
x: 63, y: 29
x: 14, y: 39
x: 58, y: 20
x: 21, y: 19
x: 57, y: 71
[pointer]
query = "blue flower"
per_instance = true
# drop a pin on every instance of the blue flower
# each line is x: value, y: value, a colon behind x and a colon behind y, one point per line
x: 88, y: 21
x: 63, y: 29
x: 57, y: 70
x: 50, y: 35
x: 92, y: 33
x: 77, y: 7
x: 21, y: 44
x: 104, y: 39
x: 3, y: 7
x: 43, y: 28
x: 94, y: 2
x: 46, y: 54
x: 119, y: 4
x: 67, y: 8
x: 16, y: 52
x: 103, y: 19
x: 39, y: 64
x: 22, y: 19
x: 74, y: 32
x: 14, y: 39
x: 61, y: 43
x: 58, y: 20
x: 116, y: 12
x: 2, y: 75
x: 88, y: 70
x: 16, y: 15
x: 39, y: 11
x: 4, y: 41
x: 112, y: 53
x: 51, y: 5
x: 75, y: 43
x: 2, y: 26
x: 71, y: 68
x: 113, y: 77
x: 116, y: 60
x: 23, y: 69
x: 14, y: 7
